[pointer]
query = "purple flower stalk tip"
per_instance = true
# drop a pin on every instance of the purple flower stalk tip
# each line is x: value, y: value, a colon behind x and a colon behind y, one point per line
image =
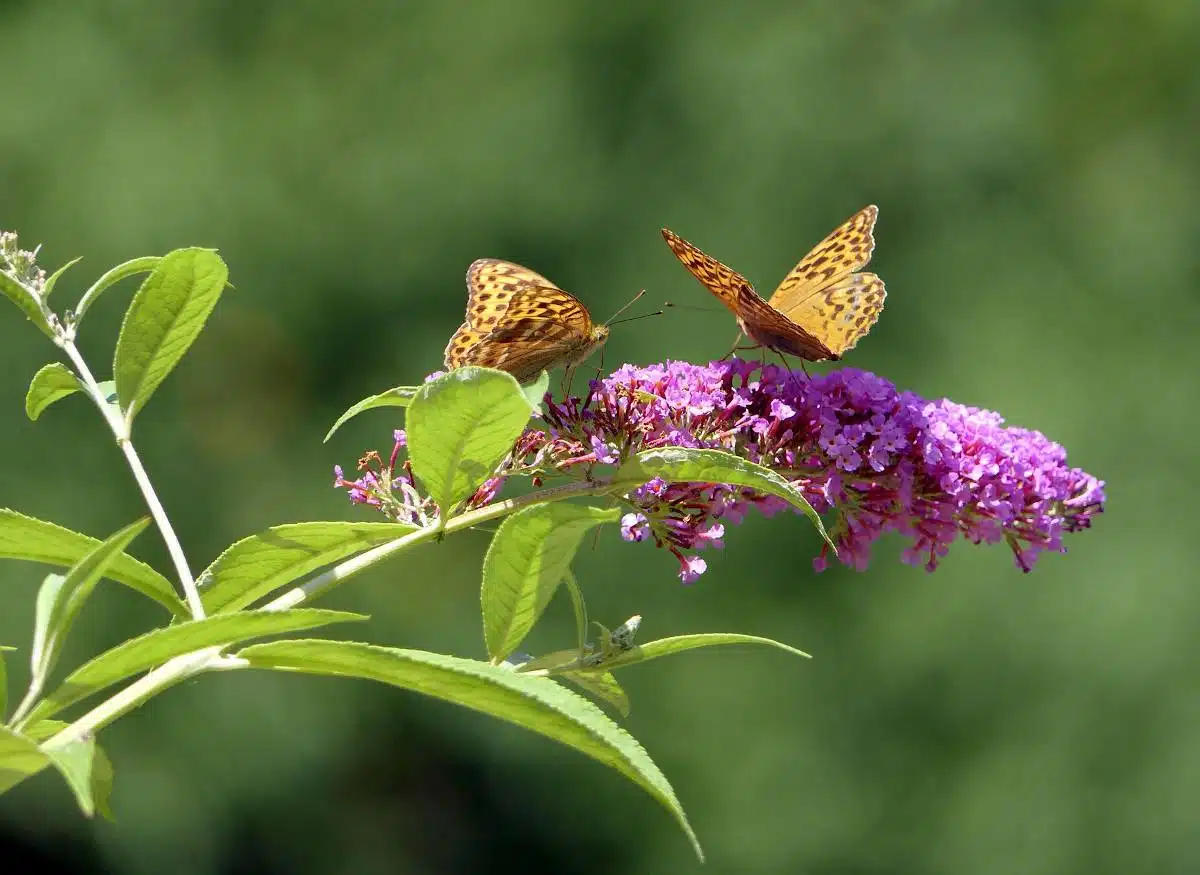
x: 880, y: 459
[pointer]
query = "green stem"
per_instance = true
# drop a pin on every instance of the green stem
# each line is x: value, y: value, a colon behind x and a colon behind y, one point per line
x: 121, y: 433
x: 197, y: 662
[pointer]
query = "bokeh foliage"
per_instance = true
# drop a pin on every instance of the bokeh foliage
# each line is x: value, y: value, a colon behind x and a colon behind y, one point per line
x: 1035, y: 168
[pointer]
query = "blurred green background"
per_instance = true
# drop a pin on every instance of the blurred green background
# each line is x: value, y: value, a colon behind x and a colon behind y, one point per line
x: 1036, y: 169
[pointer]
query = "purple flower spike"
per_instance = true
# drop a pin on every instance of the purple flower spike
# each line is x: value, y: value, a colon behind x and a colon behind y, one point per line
x: 880, y: 459
x: 883, y: 460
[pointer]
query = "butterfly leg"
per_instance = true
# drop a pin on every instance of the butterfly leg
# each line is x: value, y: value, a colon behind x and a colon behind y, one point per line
x: 568, y: 378
x: 732, y: 349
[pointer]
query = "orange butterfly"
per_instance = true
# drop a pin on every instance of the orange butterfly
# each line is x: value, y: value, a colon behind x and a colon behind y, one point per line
x: 520, y: 322
x: 823, y: 306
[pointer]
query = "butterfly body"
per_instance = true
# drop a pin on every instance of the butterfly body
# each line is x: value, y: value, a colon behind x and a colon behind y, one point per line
x: 520, y: 322
x: 823, y: 307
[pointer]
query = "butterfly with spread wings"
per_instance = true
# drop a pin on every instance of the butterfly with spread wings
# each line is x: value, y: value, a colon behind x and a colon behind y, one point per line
x: 520, y: 322
x: 823, y: 306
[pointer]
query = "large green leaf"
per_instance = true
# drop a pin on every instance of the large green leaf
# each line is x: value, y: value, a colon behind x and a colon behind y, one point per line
x: 459, y: 428
x: 25, y: 537
x: 256, y: 566
x: 529, y: 555
x: 52, y: 383
x: 166, y: 315
x: 75, y: 761
x: 154, y: 648
x: 537, y: 704
x: 400, y: 396
x: 687, y: 465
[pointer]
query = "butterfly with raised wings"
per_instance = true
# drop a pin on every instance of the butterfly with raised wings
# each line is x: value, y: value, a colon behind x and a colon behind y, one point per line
x: 520, y: 322
x: 823, y: 306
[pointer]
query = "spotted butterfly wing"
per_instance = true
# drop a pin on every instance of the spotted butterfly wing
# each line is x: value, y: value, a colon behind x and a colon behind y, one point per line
x: 826, y: 294
x: 757, y: 319
x: 520, y: 322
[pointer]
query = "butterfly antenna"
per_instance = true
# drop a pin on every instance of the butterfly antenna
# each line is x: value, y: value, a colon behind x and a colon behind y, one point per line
x: 635, y: 299
x: 615, y: 321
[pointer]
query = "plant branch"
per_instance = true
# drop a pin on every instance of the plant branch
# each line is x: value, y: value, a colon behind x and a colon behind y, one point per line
x: 121, y: 432
x: 208, y: 659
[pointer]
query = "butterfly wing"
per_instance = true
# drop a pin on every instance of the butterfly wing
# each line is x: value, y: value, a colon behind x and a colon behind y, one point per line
x: 523, y: 326
x: 761, y: 321
x: 727, y: 284
x: 492, y: 284
x: 826, y: 296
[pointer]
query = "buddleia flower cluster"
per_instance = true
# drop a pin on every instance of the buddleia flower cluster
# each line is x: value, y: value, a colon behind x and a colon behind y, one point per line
x: 871, y: 457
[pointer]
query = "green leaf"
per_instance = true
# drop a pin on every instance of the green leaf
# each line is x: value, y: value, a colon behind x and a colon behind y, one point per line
x: 536, y: 391
x: 400, y: 396
x: 685, y: 465
x: 166, y: 315
x: 537, y: 704
x: 102, y: 769
x: 459, y: 428
x: 4, y: 682
x: 24, y: 299
x: 676, y: 644
x: 154, y: 648
x: 529, y: 555
x: 20, y: 757
x: 24, y: 537
x: 74, y: 761
x: 62, y: 598
x: 53, y: 382
x: 52, y: 280
x: 602, y: 685
x: 112, y: 277
x: 578, y: 606
x: 256, y: 566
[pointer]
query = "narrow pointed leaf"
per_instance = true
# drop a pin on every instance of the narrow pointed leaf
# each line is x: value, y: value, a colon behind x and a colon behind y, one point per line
x: 67, y: 599
x: 52, y: 280
x: 459, y: 428
x: 687, y: 465
x: 25, y: 537
x: 52, y: 383
x: 154, y: 648
x: 679, y: 643
x: 537, y: 704
x: 578, y: 606
x: 24, y: 299
x: 529, y: 555
x: 20, y: 757
x: 112, y: 277
x: 166, y: 315
x: 260, y: 564
x: 401, y: 396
